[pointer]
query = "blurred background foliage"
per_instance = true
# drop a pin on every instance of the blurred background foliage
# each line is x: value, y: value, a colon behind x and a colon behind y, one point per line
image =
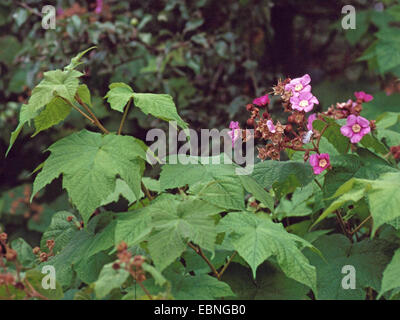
x: 213, y: 57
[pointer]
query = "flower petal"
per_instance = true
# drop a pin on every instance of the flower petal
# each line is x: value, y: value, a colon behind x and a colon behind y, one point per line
x: 362, y: 122
x: 356, y: 138
x: 365, y: 131
x: 351, y: 119
x: 318, y: 170
x: 346, y: 131
x: 306, y: 79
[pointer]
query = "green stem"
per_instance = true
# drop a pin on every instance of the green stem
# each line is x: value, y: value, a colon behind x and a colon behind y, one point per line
x: 146, y: 191
x: 226, y: 265
x: 201, y: 254
x: 124, y: 116
x: 79, y: 110
x: 96, y: 121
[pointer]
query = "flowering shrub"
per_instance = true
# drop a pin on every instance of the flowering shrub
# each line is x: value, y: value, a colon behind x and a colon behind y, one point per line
x: 200, y: 231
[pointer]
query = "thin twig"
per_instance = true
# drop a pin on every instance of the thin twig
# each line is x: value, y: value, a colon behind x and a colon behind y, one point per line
x: 360, y: 225
x: 79, y: 110
x: 201, y: 254
x: 319, y: 185
x: 145, y: 290
x: 226, y: 265
x: 124, y: 116
x: 146, y: 191
x: 342, y: 225
x: 96, y: 121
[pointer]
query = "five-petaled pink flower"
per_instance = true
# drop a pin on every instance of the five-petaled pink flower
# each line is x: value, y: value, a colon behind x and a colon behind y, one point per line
x: 356, y: 127
x: 310, y: 120
x: 298, y: 85
x: 304, y: 101
x: 235, y: 132
x: 261, y: 101
x: 364, y: 97
x: 99, y: 6
x: 320, y: 162
x: 271, y: 126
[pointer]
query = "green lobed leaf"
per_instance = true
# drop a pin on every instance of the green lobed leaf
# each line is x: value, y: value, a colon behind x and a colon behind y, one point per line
x: 175, y: 223
x: 269, y: 284
x: 257, y: 238
x: 90, y: 163
x: 368, y: 257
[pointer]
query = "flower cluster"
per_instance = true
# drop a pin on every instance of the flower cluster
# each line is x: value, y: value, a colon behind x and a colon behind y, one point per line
x: 132, y: 265
x: 44, y: 256
x: 297, y: 99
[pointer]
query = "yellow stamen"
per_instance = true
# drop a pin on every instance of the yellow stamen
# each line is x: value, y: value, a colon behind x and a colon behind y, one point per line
x: 303, y: 103
x: 298, y: 87
x: 323, y: 163
x: 356, y: 128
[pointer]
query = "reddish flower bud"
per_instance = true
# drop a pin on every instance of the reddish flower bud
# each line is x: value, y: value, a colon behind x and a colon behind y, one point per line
x: 122, y: 246
x: 11, y: 255
x: 250, y: 122
x: 116, y: 266
x: 43, y: 257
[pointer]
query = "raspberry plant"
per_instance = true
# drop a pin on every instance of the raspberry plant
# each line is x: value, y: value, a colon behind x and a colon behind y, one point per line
x: 200, y: 231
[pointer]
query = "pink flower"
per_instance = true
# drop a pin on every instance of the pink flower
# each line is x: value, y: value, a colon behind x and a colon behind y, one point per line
x: 364, y: 97
x: 356, y: 127
x: 298, y: 85
x: 304, y: 101
x: 59, y: 11
x: 320, y: 162
x: 99, y: 6
x: 310, y: 120
x: 261, y: 101
x: 271, y: 126
x: 235, y: 132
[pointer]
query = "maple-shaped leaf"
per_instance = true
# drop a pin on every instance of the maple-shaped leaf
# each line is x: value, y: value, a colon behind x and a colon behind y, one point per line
x: 176, y: 222
x: 257, y: 238
x: 55, y: 83
x: 368, y: 257
x: 161, y: 106
x: 90, y: 164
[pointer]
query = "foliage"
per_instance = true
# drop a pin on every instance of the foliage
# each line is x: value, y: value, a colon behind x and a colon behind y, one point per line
x: 114, y: 225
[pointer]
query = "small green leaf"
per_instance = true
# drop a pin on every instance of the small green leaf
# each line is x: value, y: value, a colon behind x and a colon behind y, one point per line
x: 159, y: 105
x: 55, y: 111
x: 118, y: 96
